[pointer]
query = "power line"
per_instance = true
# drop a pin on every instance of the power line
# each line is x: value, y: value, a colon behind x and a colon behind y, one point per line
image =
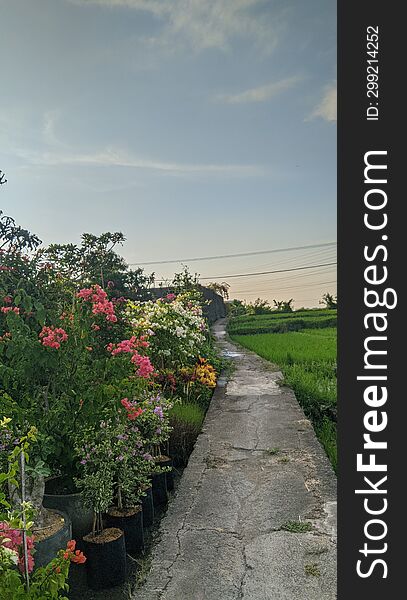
x: 219, y: 256
x: 278, y: 288
x: 261, y: 273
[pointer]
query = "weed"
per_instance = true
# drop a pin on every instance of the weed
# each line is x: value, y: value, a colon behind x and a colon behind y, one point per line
x: 312, y: 569
x: 296, y: 526
x: 272, y: 451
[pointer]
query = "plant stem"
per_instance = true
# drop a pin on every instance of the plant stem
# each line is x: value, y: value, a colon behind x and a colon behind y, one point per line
x: 25, y: 547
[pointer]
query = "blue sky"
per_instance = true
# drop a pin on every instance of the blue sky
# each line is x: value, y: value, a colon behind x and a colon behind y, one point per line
x: 195, y: 127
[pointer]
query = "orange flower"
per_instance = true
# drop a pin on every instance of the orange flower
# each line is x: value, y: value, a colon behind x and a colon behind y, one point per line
x: 78, y: 557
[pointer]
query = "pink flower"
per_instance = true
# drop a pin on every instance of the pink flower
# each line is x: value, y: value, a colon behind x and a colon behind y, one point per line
x: 145, y: 368
x: 7, y: 309
x: 170, y: 297
x: 7, y: 299
x: 13, y: 539
x: 100, y: 303
x: 53, y: 337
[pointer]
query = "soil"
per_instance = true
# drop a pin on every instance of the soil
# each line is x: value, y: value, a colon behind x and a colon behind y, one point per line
x: 123, y: 512
x: 107, y: 535
x: 161, y: 458
x: 53, y: 522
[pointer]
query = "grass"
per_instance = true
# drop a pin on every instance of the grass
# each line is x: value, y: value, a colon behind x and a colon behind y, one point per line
x: 186, y: 421
x: 312, y: 570
x: 307, y: 358
x: 296, y: 526
x: 189, y: 413
x: 272, y: 451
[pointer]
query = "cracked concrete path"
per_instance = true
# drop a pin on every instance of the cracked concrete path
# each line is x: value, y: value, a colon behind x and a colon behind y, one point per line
x: 256, y: 465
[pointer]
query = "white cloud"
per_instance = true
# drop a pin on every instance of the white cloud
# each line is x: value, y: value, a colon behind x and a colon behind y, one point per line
x: 204, y: 23
x: 261, y: 93
x: 41, y: 147
x: 111, y: 157
x: 326, y: 109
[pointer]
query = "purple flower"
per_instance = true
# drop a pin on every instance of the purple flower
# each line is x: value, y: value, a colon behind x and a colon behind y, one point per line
x: 120, y: 458
x: 83, y: 461
x: 159, y: 411
x: 147, y: 456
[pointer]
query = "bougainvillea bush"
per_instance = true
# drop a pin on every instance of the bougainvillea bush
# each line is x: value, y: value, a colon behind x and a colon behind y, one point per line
x: 97, y: 377
x: 174, y: 326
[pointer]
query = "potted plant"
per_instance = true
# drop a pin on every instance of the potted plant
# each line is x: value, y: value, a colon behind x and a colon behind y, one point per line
x: 153, y: 424
x: 17, y: 577
x: 51, y: 528
x: 131, y: 470
x: 104, y: 547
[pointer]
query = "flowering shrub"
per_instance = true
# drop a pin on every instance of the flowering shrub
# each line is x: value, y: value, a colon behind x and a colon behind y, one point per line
x: 205, y: 373
x: 20, y: 583
x: 115, y: 466
x: 174, y: 327
x: 96, y: 376
x: 46, y: 583
x: 99, y: 301
x: 53, y: 336
x: 12, y: 539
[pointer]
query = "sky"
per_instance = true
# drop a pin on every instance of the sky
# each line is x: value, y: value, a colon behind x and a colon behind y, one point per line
x: 197, y: 128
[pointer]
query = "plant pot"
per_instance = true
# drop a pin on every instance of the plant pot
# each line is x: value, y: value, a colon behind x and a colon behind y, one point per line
x: 170, y: 474
x: 147, y: 503
x: 105, y: 559
x: 46, y: 549
x: 166, y: 461
x: 159, y: 485
x: 72, y: 505
x: 130, y: 521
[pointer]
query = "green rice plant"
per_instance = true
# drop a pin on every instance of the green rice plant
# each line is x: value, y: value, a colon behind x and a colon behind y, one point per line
x: 298, y: 347
x: 281, y: 325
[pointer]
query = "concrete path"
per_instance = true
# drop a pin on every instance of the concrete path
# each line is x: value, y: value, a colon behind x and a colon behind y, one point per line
x: 256, y: 466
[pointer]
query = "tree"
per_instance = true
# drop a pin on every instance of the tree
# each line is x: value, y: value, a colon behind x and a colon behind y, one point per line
x: 284, y: 305
x: 14, y: 238
x: 259, y: 307
x: 220, y: 288
x: 96, y: 261
x: 329, y: 301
